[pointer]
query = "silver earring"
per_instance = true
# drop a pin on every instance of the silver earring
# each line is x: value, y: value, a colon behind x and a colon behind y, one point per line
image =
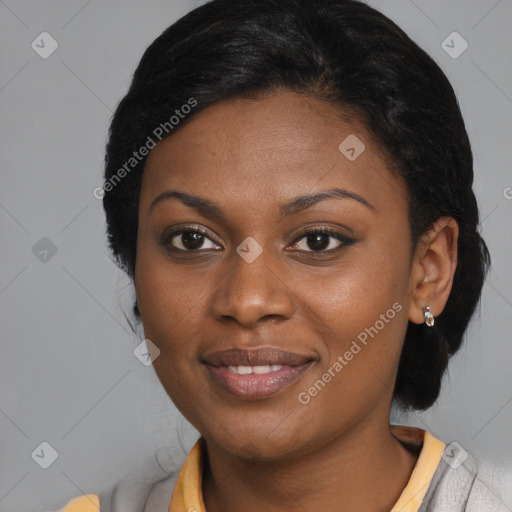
x: 429, y: 317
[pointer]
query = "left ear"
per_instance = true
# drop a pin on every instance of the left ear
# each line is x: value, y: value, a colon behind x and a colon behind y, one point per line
x: 433, y: 268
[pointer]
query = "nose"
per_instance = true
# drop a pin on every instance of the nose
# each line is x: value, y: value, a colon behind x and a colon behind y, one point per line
x: 251, y: 292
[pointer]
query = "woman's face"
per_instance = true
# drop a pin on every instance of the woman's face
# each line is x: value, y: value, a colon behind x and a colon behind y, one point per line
x: 254, y: 177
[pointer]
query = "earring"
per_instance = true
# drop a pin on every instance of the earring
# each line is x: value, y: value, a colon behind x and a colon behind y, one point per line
x: 429, y: 317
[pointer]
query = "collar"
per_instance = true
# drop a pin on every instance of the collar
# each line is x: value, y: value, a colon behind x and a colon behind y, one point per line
x: 187, y: 494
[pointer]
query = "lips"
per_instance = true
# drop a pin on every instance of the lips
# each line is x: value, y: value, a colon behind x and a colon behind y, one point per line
x: 257, y: 373
x: 265, y: 356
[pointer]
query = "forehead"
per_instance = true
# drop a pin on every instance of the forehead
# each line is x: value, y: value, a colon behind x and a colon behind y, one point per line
x: 276, y: 146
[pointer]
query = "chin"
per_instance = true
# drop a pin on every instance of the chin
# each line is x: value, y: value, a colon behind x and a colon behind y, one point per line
x: 256, y: 443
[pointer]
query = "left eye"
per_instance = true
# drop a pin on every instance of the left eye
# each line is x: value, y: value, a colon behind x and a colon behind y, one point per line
x: 321, y: 241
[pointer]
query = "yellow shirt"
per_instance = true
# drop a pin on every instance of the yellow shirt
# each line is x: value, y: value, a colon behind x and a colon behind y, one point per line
x: 187, y: 493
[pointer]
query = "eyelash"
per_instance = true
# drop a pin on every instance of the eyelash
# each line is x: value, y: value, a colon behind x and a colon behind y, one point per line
x: 346, y: 241
x: 323, y: 230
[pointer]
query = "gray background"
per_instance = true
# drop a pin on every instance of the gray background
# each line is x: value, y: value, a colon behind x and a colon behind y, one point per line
x: 68, y: 373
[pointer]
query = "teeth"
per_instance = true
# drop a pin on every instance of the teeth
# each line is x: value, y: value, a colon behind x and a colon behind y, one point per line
x: 261, y: 369
x: 247, y: 370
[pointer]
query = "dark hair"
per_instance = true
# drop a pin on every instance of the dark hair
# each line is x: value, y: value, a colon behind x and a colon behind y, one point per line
x: 353, y: 56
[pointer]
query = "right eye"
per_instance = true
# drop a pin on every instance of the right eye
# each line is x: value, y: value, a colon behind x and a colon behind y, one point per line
x: 189, y: 240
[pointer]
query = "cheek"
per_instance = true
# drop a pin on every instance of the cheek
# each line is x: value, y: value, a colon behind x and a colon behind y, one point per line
x: 354, y: 294
x: 169, y: 302
x: 164, y: 291
x: 169, y: 306
x: 360, y: 311
x: 361, y: 319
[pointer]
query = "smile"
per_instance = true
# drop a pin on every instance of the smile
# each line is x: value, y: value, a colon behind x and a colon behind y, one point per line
x: 256, y: 373
x: 259, y: 370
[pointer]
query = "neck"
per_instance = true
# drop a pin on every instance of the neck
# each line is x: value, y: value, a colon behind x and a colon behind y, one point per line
x: 364, y: 469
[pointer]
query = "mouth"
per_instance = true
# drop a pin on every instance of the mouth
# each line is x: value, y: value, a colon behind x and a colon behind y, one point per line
x: 257, y: 373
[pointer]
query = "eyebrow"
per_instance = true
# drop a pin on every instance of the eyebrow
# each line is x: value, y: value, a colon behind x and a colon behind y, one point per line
x: 211, y: 209
x: 307, y: 201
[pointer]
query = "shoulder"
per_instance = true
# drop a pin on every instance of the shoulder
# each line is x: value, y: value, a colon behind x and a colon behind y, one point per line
x: 128, y: 495
x: 144, y: 489
x: 85, y: 503
x: 134, y: 495
x: 459, y: 485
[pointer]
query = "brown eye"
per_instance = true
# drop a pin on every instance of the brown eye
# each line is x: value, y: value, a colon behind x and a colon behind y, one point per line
x: 321, y: 240
x: 190, y: 240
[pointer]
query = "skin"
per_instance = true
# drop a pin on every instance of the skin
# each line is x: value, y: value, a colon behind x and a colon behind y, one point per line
x: 249, y: 157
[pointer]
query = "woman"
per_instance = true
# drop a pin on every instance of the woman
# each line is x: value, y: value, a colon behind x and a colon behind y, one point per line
x: 288, y: 184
